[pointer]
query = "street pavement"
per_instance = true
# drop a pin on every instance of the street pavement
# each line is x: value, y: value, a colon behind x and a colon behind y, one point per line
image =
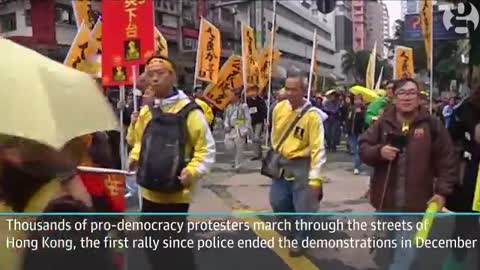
x: 247, y: 191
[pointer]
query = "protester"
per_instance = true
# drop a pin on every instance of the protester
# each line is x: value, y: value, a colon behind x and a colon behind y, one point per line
x: 413, y: 159
x: 258, y: 114
x: 354, y: 128
x: 237, y: 125
x: 207, y: 110
x: 331, y: 106
x: 379, y: 105
x: 302, y: 155
x: 447, y: 112
x: 155, y: 159
x: 465, y: 132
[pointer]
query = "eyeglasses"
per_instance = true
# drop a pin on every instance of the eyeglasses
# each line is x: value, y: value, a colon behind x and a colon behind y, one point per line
x: 406, y: 94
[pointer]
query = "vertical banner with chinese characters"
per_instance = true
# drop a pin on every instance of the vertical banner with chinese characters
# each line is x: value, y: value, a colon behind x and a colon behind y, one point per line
x: 249, y: 51
x: 229, y: 79
x: 127, y: 38
x: 81, y: 51
x: 161, y: 45
x: 426, y: 16
x: 208, y: 53
x: 264, y: 59
x: 84, y: 13
x: 370, y: 73
x: 403, y: 63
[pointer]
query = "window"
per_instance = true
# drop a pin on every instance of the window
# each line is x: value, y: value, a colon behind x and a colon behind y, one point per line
x: 8, y: 22
x: 64, y: 14
x: 28, y: 17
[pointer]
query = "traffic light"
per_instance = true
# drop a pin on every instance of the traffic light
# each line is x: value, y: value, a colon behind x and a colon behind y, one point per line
x: 325, y: 6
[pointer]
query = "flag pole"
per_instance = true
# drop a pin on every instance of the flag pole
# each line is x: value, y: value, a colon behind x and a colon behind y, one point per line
x: 134, y: 90
x: 431, y: 61
x: 312, y: 64
x: 269, y: 93
x: 198, y: 55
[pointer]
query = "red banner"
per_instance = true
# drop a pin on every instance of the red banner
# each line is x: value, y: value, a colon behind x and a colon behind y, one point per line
x: 127, y: 38
x: 108, y: 187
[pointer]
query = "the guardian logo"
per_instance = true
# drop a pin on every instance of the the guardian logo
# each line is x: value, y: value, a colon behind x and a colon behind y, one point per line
x: 464, y: 18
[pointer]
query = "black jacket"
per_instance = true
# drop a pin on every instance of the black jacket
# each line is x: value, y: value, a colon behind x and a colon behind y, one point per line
x: 354, y: 122
x: 466, y: 117
x: 257, y: 104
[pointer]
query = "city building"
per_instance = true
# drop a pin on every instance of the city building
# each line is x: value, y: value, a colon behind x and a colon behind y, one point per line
x: 296, y: 22
x: 49, y: 26
x: 343, y: 25
x: 375, y: 26
x: 359, y: 24
x: 386, y: 22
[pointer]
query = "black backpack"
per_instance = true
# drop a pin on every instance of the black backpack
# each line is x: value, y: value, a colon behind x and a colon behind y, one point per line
x: 162, y: 156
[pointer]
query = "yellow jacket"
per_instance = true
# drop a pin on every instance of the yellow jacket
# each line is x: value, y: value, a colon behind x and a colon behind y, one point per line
x: 11, y: 258
x: 305, y: 140
x: 207, y: 111
x: 200, y: 146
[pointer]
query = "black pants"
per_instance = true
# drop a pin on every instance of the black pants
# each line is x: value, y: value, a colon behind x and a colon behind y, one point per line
x: 466, y: 227
x: 175, y: 259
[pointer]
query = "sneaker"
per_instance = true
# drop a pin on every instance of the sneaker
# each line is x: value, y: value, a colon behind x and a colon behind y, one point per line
x: 296, y: 252
x: 256, y: 158
x: 356, y: 172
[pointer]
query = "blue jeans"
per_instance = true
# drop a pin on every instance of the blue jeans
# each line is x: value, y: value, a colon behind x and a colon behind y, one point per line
x: 332, y: 134
x: 294, y: 196
x: 355, y: 148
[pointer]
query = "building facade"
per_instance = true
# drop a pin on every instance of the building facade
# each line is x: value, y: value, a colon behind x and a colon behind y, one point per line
x: 375, y: 26
x: 49, y: 26
x: 343, y: 25
x: 359, y: 24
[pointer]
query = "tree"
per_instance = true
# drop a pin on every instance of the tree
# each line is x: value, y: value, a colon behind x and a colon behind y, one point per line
x: 355, y: 63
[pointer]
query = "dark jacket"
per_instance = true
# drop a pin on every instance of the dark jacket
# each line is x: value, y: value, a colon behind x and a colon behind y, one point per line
x: 422, y: 160
x: 465, y: 119
x: 355, y: 123
x: 258, y: 110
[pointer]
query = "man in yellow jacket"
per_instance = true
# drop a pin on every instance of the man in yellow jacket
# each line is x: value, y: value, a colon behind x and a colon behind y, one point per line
x: 200, y: 150
x: 302, y: 155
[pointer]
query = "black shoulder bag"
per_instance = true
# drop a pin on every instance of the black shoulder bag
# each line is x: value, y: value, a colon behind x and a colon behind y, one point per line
x: 270, y: 164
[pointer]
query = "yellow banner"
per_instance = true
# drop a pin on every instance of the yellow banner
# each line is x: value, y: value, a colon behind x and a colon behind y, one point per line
x: 229, y: 79
x: 209, y: 52
x: 161, y: 45
x: 81, y: 51
x: 249, y: 51
x: 403, y: 63
x: 96, y: 36
x: 264, y: 65
x: 370, y: 75
x: 426, y: 12
x: 83, y: 13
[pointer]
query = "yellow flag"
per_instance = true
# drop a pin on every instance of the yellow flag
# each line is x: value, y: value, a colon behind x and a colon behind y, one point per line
x: 229, y: 79
x: 249, y: 51
x: 370, y: 76
x: 96, y: 36
x: 403, y: 63
x: 161, y: 45
x: 264, y: 65
x: 81, y: 51
x: 209, y: 52
x: 83, y: 13
x: 426, y: 14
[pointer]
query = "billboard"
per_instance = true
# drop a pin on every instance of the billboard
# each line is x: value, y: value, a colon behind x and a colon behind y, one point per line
x: 413, y: 28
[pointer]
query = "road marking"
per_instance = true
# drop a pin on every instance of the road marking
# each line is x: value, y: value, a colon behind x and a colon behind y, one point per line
x: 298, y: 263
